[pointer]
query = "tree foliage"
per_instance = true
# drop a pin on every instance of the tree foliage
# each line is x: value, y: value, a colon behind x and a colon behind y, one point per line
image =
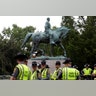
x: 81, y: 42
x: 10, y: 41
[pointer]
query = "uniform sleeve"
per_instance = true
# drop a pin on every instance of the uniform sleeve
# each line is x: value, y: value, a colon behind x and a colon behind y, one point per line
x: 15, y: 72
x: 38, y: 75
x: 78, y: 74
x: 82, y: 72
x: 91, y: 70
x: 59, y: 77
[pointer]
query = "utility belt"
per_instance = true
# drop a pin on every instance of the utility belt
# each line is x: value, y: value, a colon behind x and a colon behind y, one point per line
x: 87, y: 75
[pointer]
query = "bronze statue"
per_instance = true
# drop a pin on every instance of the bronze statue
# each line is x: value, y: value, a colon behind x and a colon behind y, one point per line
x: 41, y: 37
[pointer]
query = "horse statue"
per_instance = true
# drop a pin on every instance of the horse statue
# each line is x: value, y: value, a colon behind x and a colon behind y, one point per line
x: 42, y: 37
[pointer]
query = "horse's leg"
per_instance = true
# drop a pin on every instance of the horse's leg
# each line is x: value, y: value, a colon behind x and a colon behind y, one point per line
x: 63, y: 49
x: 36, y: 47
x: 52, y: 49
x: 32, y: 49
x: 42, y: 52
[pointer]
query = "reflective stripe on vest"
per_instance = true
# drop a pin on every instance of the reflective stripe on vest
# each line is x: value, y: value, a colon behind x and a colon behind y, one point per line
x: 54, y: 75
x: 34, y: 75
x: 24, y: 72
x: 44, y: 73
x: 87, y: 71
x: 69, y: 73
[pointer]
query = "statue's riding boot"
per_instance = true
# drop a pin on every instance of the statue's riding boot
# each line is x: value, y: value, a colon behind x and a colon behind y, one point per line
x: 47, y: 34
x: 51, y: 40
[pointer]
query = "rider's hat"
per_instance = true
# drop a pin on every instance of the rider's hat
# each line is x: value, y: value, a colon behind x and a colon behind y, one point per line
x: 48, y: 18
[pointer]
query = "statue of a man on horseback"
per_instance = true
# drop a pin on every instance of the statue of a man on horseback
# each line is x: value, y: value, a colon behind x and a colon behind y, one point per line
x: 52, y: 37
x: 47, y: 29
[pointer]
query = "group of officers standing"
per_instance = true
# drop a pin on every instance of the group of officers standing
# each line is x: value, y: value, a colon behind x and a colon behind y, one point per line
x: 42, y: 71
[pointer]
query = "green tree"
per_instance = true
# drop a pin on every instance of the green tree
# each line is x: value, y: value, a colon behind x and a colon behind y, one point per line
x: 89, y: 37
x: 10, y: 41
x: 81, y: 42
x: 73, y: 40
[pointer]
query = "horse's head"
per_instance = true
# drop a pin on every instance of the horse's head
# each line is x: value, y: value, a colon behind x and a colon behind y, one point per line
x: 64, y: 31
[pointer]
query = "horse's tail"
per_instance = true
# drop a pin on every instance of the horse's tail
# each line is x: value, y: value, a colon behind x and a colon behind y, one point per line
x: 27, y: 37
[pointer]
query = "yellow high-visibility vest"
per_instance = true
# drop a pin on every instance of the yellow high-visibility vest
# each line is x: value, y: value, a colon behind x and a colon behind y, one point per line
x: 54, y: 75
x: 69, y: 73
x: 24, y: 72
x: 87, y: 71
x: 34, y: 75
x: 94, y: 71
x: 44, y: 73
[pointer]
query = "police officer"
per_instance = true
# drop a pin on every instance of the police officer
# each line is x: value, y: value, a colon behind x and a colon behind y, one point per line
x: 21, y: 71
x: 45, y: 73
x: 57, y: 72
x: 69, y: 73
x: 35, y: 72
x: 94, y: 72
x: 87, y: 72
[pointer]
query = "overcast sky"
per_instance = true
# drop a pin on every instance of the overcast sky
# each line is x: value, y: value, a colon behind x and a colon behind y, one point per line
x: 23, y: 21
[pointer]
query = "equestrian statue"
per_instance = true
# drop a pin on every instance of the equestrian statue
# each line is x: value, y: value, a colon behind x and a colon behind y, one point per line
x: 52, y: 37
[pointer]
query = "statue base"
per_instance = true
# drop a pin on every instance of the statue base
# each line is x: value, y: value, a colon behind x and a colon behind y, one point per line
x: 49, y: 61
x: 49, y: 58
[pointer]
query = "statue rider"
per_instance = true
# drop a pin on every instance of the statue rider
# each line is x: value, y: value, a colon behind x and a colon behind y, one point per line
x: 47, y: 29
